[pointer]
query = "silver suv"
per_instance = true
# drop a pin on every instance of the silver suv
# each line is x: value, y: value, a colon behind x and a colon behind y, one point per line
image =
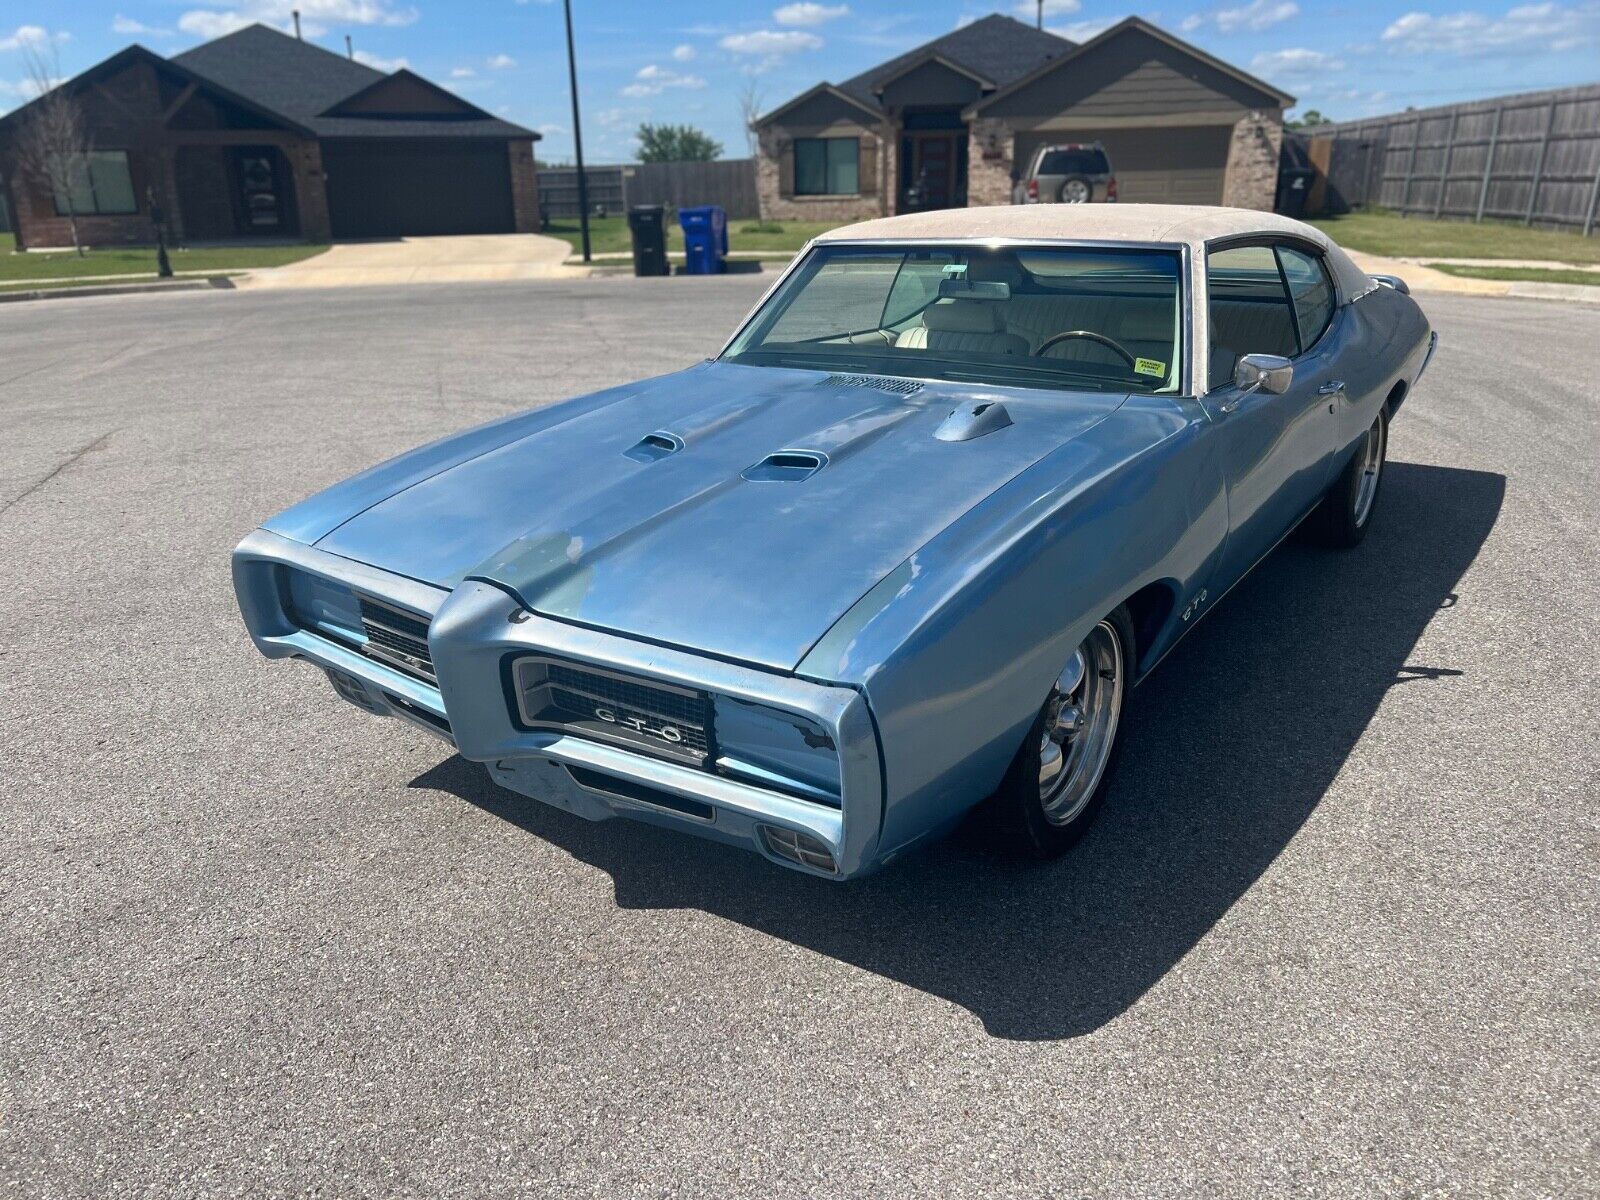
x: 1072, y: 173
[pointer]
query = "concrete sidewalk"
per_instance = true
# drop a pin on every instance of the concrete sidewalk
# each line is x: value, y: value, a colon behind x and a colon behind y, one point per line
x: 464, y: 259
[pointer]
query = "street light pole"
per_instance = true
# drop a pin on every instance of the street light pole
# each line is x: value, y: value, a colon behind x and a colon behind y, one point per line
x: 577, y: 134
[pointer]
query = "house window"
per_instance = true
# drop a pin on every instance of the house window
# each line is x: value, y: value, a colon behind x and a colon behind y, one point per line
x: 827, y: 166
x: 100, y: 184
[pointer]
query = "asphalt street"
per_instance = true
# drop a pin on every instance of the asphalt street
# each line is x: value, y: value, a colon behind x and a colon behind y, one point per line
x: 1335, y: 933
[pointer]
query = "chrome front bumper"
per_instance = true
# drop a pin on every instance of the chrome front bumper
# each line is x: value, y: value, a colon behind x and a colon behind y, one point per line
x: 477, y: 630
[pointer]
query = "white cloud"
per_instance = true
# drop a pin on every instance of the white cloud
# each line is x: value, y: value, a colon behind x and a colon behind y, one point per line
x: 1294, y: 62
x: 618, y: 118
x: 683, y: 53
x: 208, y: 25
x: 26, y: 89
x: 653, y: 80
x: 220, y: 17
x: 501, y: 62
x: 463, y: 73
x: 771, y: 42
x: 378, y: 63
x: 131, y: 28
x: 1028, y: 10
x: 1528, y: 28
x: 1082, y: 31
x: 808, y: 13
x: 1252, y: 17
x: 29, y: 37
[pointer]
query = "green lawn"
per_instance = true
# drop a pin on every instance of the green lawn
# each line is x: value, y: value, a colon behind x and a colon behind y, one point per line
x: 1414, y: 237
x: 142, y: 260
x: 1520, y: 274
x: 608, y: 235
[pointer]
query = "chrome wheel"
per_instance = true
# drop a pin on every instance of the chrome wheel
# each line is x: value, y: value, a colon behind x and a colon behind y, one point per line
x: 1081, y: 725
x: 1371, y: 458
x: 1074, y: 191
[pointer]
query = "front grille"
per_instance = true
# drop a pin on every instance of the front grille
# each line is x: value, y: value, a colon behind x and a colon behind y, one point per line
x: 670, y: 721
x: 397, y: 639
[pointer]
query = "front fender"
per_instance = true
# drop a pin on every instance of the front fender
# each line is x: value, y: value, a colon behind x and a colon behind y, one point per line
x: 959, y: 647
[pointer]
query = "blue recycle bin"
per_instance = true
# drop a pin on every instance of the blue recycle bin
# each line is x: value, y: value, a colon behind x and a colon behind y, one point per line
x: 705, y: 239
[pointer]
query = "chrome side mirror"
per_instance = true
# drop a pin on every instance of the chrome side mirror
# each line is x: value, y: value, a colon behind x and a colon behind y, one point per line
x: 1268, y: 373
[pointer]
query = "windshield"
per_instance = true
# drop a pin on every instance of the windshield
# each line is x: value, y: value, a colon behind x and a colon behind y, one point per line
x: 1080, y: 318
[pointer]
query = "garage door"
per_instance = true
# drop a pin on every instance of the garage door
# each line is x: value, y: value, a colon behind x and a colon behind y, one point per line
x: 398, y: 188
x: 1155, y: 166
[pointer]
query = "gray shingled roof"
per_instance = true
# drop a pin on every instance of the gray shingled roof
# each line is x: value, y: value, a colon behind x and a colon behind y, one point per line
x: 300, y: 81
x: 997, y: 47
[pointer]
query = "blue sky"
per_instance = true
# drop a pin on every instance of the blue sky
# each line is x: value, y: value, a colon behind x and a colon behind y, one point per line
x: 648, y: 60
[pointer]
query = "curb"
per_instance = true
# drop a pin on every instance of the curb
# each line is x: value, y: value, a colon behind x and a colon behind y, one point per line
x: 125, y: 289
x: 1580, y: 293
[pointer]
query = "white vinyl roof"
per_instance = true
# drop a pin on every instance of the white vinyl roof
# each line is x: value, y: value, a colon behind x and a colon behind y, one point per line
x: 1189, y: 224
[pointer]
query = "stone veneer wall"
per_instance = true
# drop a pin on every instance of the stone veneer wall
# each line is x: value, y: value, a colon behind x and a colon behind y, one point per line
x: 524, y: 186
x: 990, y: 147
x: 1251, y: 180
x: 775, y: 206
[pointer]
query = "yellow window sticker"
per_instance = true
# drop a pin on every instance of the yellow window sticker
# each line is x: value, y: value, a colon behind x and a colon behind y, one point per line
x: 1149, y: 366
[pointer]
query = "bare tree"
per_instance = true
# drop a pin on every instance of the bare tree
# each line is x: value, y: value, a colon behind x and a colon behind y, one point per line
x: 52, y: 141
x: 750, y: 104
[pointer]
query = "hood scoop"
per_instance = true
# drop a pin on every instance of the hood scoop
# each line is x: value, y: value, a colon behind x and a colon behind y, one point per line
x: 786, y: 466
x: 973, y: 421
x: 653, y: 446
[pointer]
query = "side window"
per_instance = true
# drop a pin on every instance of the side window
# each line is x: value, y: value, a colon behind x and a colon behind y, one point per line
x: 1249, y: 309
x: 1312, y: 292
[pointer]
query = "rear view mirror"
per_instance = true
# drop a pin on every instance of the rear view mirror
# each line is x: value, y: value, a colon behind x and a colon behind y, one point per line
x: 1268, y: 373
x: 962, y: 288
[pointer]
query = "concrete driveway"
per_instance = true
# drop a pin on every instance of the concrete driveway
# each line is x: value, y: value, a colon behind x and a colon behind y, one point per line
x: 467, y: 259
x: 1333, y: 936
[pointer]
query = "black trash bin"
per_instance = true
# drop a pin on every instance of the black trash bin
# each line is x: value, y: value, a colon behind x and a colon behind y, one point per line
x: 648, y: 224
x: 1294, y: 186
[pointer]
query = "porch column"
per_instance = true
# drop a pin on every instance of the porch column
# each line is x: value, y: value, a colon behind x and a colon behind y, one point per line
x: 310, y: 190
x: 990, y: 149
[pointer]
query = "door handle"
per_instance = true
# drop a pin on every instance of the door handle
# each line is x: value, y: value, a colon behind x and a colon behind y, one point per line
x: 1330, y: 388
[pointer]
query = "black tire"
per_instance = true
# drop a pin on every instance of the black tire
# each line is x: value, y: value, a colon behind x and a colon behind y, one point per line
x: 1072, y: 184
x: 1342, y: 519
x: 1017, y: 809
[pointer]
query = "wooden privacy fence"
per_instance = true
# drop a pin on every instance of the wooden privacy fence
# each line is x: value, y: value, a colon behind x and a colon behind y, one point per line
x: 1533, y: 158
x: 728, y: 182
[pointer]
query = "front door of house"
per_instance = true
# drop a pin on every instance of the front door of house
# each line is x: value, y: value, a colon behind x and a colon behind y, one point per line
x: 262, y: 200
x: 933, y: 172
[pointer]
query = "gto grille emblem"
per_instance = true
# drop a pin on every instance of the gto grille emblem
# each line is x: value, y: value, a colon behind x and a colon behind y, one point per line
x: 665, y: 733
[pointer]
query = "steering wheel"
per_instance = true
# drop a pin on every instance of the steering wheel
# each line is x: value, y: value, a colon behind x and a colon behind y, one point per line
x: 1087, y: 335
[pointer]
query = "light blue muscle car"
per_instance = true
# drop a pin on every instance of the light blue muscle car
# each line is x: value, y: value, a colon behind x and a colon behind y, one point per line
x: 903, y: 547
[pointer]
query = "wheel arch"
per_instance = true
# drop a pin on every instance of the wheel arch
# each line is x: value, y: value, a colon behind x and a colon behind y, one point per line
x: 1151, y: 610
x: 1396, y: 397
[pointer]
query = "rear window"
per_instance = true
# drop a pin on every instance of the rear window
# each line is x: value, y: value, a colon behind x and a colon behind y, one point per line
x: 1074, y: 162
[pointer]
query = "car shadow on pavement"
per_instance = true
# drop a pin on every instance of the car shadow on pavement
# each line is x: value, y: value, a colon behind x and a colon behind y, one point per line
x: 1231, y: 745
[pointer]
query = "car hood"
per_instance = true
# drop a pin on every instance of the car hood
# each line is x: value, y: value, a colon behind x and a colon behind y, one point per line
x: 687, y: 548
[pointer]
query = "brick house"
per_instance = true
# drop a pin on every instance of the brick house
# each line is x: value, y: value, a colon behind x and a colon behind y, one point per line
x: 947, y: 124
x: 259, y: 134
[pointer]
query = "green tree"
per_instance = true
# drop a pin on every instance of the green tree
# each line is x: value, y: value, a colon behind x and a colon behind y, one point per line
x: 1309, y: 119
x: 675, y: 143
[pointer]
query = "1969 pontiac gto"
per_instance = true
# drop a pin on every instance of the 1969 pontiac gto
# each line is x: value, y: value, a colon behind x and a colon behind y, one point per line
x: 903, y: 547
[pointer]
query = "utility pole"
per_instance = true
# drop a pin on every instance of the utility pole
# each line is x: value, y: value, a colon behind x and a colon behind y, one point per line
x: 349, y: 48
x: 577, y: 135
x: 296, y: 14
x: 1041, y: 14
